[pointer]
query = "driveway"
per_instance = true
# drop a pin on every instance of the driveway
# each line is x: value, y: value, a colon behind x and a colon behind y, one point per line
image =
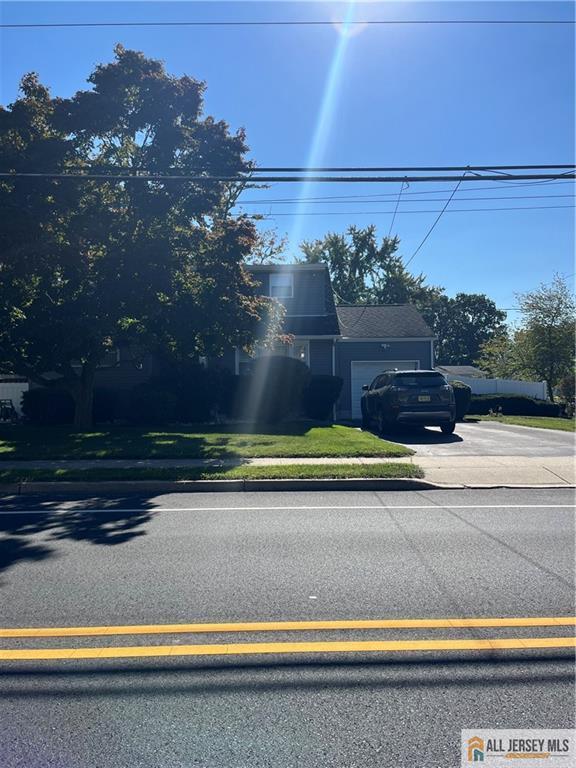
x: 487, y: 439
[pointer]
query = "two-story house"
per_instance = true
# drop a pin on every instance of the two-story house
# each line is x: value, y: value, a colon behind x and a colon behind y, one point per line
x: 353, y: 342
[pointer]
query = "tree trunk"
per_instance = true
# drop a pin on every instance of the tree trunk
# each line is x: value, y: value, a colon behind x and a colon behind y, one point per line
x: 83, y: 395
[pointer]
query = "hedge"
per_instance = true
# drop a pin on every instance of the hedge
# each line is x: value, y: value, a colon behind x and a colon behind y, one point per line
x: 462, y: 395
x: 512, y: 405
x: 272, y: 392
x: 320, y: 395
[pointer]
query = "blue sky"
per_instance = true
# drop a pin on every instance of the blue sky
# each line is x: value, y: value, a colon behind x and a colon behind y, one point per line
x: 401, y: 95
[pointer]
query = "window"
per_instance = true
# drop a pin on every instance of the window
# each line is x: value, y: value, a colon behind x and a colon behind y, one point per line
x: 282, y: 285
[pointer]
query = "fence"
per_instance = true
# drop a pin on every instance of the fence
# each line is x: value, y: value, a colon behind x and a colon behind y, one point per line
x: 536, y: 389
x: 13, y: 390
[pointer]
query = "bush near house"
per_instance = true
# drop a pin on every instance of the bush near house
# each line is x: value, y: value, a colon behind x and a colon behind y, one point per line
x: 320, y: 395
x: 462, y: 395
x: 273, y: 391
x: 45, y: 406
x: 512, y: 405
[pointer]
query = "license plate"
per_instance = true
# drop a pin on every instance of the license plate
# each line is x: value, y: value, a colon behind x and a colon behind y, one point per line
x: 423, y: 398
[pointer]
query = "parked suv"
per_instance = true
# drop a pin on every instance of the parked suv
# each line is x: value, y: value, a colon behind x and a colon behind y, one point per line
x: 409, y: 397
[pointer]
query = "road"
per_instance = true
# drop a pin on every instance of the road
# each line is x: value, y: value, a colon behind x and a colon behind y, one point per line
x: 485, y: 438
x: 275, y: 558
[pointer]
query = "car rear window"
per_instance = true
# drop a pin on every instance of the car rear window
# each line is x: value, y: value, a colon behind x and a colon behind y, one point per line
x: 419, y: 380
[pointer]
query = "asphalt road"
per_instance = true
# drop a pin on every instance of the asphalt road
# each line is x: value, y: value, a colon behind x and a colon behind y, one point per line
x: 485, y: 438
x: 278, y: 557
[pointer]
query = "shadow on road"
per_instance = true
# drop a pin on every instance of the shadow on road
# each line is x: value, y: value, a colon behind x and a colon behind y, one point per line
x: 198, y: 679
x: 420, y: 436
x: 122, y: 521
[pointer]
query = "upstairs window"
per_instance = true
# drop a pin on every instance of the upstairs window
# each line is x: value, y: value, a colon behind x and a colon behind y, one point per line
x: 282, y: 285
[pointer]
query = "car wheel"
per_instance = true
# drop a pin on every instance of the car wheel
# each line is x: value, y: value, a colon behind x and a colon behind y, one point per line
x: 447, y: 429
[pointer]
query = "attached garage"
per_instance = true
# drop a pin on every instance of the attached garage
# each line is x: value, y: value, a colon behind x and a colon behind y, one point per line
x: 375, y: 339
x: 364, y: 372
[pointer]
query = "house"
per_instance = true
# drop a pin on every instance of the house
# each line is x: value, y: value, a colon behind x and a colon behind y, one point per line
x: 455, y: 371
x: 353, y: 342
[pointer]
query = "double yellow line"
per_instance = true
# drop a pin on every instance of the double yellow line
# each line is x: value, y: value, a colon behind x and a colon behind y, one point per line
x: 368, y: 646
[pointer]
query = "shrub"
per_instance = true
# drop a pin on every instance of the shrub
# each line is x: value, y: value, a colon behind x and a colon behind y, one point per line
x: 462, y: 395
x: 273, y: 391
x: 152, y: 402
x: 46, y: 406
x: 513, y: 405
x: 320, y: 395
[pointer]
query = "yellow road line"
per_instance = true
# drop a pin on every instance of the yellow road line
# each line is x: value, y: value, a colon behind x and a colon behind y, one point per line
x: 288, y: 626
x: 237, y: 649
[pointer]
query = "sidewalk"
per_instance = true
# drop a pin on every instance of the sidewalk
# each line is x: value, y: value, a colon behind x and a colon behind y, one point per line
x: 450, y: 470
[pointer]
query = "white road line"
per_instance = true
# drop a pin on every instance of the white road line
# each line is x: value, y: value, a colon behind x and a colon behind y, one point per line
x: 436, y: 507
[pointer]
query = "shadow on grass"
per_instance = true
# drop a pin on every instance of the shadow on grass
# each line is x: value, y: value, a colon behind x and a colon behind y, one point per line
x: 213, y: 441
x: 27, y: 536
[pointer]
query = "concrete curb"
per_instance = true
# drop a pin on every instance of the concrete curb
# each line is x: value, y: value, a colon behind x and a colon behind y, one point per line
x: 239, y: 486
x: 216, y: 486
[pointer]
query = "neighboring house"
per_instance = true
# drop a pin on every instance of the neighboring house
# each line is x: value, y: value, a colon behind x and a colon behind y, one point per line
x: 353, y: 342
x: 469, y: 371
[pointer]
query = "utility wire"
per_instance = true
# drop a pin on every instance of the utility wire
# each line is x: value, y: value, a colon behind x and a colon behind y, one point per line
x: 379, y: 196
x: 380, y: 213
x: 380, y: 200
x: 295, y: 23
x: 280, y: 179
x: 396, y: 208
x: 427, y: 235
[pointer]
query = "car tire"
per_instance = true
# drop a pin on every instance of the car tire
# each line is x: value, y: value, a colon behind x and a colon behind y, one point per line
x: 448, y: 429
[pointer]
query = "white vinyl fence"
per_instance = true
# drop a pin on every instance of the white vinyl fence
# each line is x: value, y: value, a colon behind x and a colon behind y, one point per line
x: 13, y: 390
x: 536, y: 389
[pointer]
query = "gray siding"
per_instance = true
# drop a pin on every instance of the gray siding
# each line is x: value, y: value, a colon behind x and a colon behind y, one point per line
x: 321, y: 356
x: 309, y: 291
x: 348, y: 351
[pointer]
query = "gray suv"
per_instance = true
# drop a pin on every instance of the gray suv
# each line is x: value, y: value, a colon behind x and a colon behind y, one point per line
x: 423, y: 398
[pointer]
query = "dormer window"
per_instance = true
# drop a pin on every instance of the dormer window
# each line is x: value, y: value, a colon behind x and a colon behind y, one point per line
x: 282, y: 285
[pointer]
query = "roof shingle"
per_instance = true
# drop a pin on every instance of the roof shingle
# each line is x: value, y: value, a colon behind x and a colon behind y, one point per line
x: 395, y: 321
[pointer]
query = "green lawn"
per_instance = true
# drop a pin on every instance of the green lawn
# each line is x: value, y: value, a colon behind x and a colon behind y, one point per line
x: 289, y: 471
x: 544, y: 422
x: 297, y: 440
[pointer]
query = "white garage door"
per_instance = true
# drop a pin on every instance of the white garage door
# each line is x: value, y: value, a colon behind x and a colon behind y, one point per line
x: 366, y: 372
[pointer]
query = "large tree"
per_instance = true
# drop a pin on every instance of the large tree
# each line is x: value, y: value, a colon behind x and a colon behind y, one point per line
x: 88, y: 264
x: 366, y: 271
x: 542, y: 347
x: 462, y: 325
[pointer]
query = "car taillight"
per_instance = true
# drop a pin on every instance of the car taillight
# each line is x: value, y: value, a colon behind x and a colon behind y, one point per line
x: 400, y: 395
x: 446, y: 394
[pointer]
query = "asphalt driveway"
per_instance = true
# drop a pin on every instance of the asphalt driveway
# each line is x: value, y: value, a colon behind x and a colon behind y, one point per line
x: 487, y: 439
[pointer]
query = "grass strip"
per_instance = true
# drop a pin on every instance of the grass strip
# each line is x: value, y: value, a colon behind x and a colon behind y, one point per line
x: 542, y: 422
x: 274, y: 472
x: 294, y: 440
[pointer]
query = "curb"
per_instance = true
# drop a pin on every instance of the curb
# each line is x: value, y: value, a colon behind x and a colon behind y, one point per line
x: 242, y: 486
x: 218, y: 486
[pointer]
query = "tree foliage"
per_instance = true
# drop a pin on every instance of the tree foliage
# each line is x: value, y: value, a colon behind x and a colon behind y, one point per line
x: 89, y: 264
x: 462, y: 324
x: 542, y: 348
x: 364, y: 271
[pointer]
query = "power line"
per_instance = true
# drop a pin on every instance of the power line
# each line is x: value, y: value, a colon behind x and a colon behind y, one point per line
x: 370, y: 197
x: 294, y: 23
x: 396, y: 208
x: 378, y: 213
x: 427, y: 235
x: 420, y: 200
x: 280, y: 179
